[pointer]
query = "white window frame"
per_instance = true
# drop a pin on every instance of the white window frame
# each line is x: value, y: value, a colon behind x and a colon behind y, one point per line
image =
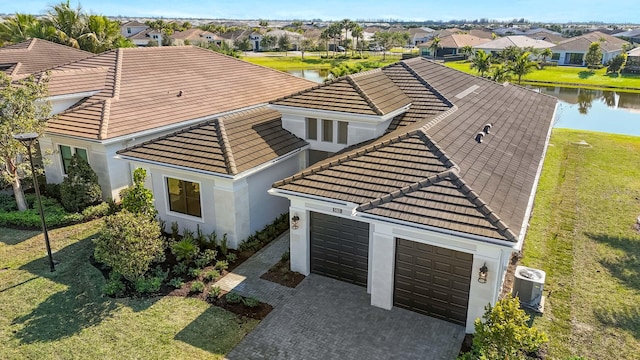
x: 167, y: 202
x: 73, y: 152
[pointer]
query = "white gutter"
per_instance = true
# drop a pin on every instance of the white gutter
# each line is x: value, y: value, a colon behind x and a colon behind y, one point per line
x: 270, y: 163
x: 71, y: 96
x: 287, y: 194
x: 177, y: 167
x: 532, y: 196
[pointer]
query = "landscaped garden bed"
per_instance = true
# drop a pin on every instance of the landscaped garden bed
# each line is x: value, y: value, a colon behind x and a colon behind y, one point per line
x: 281, y: 273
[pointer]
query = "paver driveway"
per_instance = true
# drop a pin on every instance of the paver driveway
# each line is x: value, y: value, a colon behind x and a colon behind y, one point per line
x: 330, y: 319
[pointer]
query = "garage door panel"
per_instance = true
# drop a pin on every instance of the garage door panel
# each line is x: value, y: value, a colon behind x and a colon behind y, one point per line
x: 339, y: 248
x: 433, y: 281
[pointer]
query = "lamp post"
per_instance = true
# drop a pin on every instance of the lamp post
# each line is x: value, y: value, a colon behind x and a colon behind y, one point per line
x: 28, y: 140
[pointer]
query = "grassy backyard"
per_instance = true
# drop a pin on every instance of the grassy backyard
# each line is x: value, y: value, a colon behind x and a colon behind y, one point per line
x: 568, y: 76
x: 63, y: 315
x: 582, y: 234
x: 281, y: 62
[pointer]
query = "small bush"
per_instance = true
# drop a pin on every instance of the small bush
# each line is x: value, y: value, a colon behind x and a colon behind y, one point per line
x: 222, y: 265
x: 95, y: 211
x: 176, y: 282
x: 206, y: 258
x: 251, y: 302
x: 231, y: 257
x: 285, y: 257
x: 224, y: 248
x: 196, y: 287
x: 212, y: 240
x: 212, y: 275
x: 129, y: 243
x: 80, y: 188
x: 148, y: 285
x: 114, y: 286
x: 52, y: 191
x: 233, y: 298
x: 138, y: 199
x: 214, y: 293
x: 185, y: 250
x: 180, y: 269
x: 175, y: 231
x: 195, y: 272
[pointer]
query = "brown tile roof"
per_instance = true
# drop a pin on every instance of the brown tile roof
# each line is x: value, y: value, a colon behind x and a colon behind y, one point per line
x: 582, y: 42
x: 369, y: 93
x: 36, y: 55
x: 459, y: 184
x: 228, y: 145
x: 457, y: 41
x: 141, y: 89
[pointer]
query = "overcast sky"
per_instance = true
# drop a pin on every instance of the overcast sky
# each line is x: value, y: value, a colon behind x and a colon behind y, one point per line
x: 619, y: 11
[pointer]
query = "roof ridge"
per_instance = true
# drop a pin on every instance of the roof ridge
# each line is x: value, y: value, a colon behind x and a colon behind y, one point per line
x: 31, y: 44
x: 405, y: 65
x: 118, y: 74
x: 16, y: 67
x: 431, y: 180
x: 332, y: 81
x: 225, y: 146
x: 104, y: 119
x: 433, y: 122
x: 483, y: 208
x: 366, y: 97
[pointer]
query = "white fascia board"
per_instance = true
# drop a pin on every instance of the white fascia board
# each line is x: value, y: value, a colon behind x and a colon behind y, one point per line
x: 532, y: 196
x: 176, y: 126
x: 411, y: 225
x: 79, y: 95
x: 338, y: 115
x: 270, y: 163
x: 292, y: 194
x: 175, y: 167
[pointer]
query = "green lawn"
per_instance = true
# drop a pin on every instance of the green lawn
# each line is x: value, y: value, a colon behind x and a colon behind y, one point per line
x: 315, y: 62
x: 567, y: 75
x: 63, y: 315
x: 582, y: 234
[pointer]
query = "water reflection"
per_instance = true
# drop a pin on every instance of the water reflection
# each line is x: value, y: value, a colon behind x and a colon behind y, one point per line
x: 585, y: 98
x: 313, y: 75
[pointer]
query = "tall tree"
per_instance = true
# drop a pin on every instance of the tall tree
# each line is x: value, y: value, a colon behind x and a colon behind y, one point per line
x: 18, y: 28
x: 324, y: 37
x: 481, y: 61
x: 593, y: 57
x: 467, y: 51
x: 21, y: 111
x: 435, y: 45
x: 357, y: 32
x: 386, y: 40
x: 306, y: 44
x: 69, y: 23
x: 522, y: 66
x: 545, y: 54
x: 267, y: 42
x: 243, y: 44
x: 284, y: 43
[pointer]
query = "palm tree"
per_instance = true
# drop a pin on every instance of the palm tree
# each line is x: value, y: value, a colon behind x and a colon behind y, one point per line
x: 267, y: 42
x: 68, y: 23
x: 500, y: 73
x: 101, y: 34
x: 522, y: 66
x: 324, y: 37
x: 481, y: 61
x: 18, y: 28
x: 435, y: 45
x: 357, y: 32
x: 545, y: 54
x: 466, y: 50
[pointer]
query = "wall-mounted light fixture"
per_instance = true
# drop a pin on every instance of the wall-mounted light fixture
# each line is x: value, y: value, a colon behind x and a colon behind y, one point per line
x: 295, y: 221
x: 482, y: 275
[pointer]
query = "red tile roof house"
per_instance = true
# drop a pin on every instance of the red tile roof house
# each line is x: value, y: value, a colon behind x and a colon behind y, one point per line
x: 431, y: 178
x: 216, y: 151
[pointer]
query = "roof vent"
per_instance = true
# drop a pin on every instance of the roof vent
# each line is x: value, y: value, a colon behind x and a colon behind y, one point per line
x: 486, y: 128
x: 180, y: 93
x: 479, y: 137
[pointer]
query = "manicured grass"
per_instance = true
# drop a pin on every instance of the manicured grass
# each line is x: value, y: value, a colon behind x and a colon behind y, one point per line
x: 582, y: 234
x: 567, y: 75
x: 63, y: 314
x: 316, y: 62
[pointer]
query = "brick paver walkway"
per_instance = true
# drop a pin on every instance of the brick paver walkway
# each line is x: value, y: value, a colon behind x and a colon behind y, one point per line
x: 324, y: 318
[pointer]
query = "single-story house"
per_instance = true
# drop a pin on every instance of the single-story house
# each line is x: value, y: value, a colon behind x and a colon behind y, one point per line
x: 143, y: 37
x: 124, y: 97
x: 36, y: 55
x: 451, y: 45
x: 572, y: 50
x: 195, y: 36
x: 428, y: 187
x: 519, y: 41
x: 506, y: 31
x: 633, y: 61
x: 294, y: 39
x: 420, y: 35
x: 631, y: 35
x: 130, y: 28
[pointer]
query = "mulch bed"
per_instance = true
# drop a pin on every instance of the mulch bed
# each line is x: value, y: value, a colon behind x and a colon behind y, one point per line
x: 258, y: 312
x: 280, y: 273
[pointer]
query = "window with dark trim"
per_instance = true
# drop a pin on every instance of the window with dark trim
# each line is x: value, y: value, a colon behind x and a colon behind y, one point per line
x: 327, y: 130
x: 184, y: 197
x: 343, y: 127
x: 312, y: 129
x: 66, y: 153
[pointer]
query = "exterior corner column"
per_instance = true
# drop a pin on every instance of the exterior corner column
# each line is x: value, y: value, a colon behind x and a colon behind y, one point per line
x: 382, y: 270
x: 299, y: 242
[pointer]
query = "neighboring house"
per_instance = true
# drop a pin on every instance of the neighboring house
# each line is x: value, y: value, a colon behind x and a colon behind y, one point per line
x: 519, y: 41
x: 633, y: 61
x: 125, y: 97
x: 413, y: 205
x: 482, y: 33
x: 294, y: 38
x: 36, y: 55
x: 572, y: 50
x: 131, y: 28
x: 506, y: 31
x: 420, y: 35
x: 142, y: 38
x: 631, y: 35
x: 451, y: 45
x: 196, y: 36
x: 231, y: 36
x: 543, y: 35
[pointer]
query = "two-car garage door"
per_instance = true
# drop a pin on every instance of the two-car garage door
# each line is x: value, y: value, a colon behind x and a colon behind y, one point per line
x: 428, y: 279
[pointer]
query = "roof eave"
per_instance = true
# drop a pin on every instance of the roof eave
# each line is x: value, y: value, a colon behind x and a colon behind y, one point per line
x: 339, y: 115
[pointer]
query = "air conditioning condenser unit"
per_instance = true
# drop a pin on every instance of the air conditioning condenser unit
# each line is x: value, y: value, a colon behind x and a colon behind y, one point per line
x: 528, y: 286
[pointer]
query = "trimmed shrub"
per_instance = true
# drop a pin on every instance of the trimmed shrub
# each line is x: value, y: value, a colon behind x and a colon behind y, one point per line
x: 251, y: 302
x: 52, y: 191
x: 206, y: 258
x: 231, y: 257
x: 214, y: 293
x: 148, y: 285
x: 233, y: 298
x: 55, y: 214
x: 80, y: 188
x: 212, y: 275
x: 196, y: 287
x: 176, y: 282
x: 129, y: 244
x: 138, y: 199
x: 195, y: 272
x: 222, y: 265
x: 95, y: 211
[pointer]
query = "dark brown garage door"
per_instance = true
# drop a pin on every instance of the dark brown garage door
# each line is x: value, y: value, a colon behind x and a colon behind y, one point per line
x: 339, y: 248
x: 432, y: 280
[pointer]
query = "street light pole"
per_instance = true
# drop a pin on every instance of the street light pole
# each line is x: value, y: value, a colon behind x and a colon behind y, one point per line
x: 27, y: 140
